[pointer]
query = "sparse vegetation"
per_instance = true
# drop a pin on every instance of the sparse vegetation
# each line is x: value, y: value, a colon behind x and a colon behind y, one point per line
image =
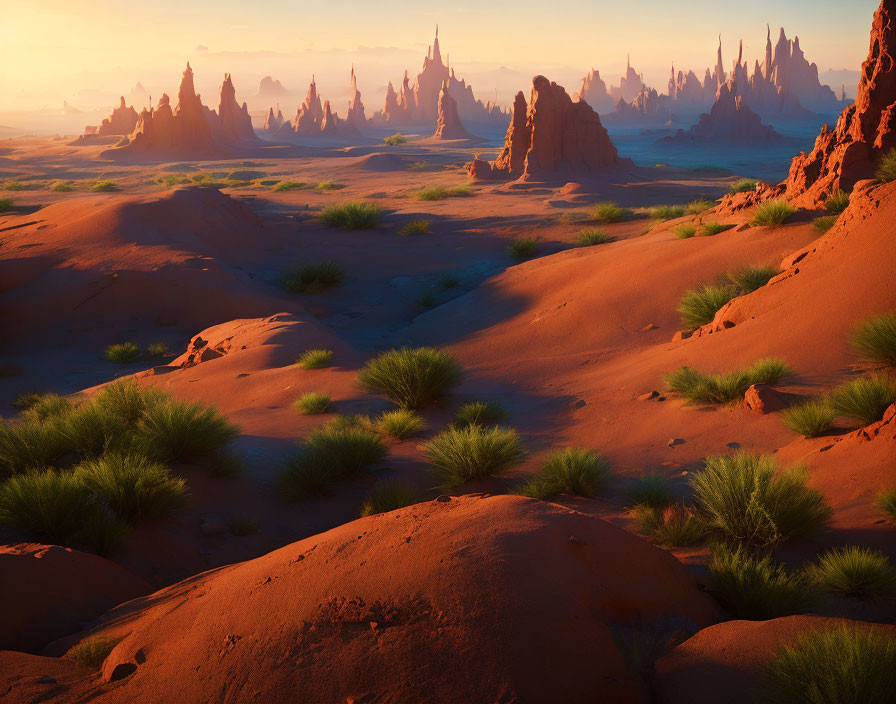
x: 395, y: 139
x: 90, y: 653
x: 685, y: 231
x: 846, y: 664
x: 48, y: 406
x: 411, y: 377
x: 290, y: 186
x: 810, y: 418
x: 874, y: 339
x: 5, y: 204
x: 315, y: 359
x: 651, y: 490
x: 573, y: 470
x: 442, y: 192
x: 699, y: 306
x: 824, y: 223
x: 865, y: 399
x: 462, y: 454
x: 313, y: 403
x: 837, y: 203
x: 13, y: 186
x: 860, y: 573
x: 749, y: 278
x: 313, y: 278
x: 695, y: 207
x: 480, y: 413
x: 668, y: 212
x: 26, y: 399
x: 174, y: 431
x: 104, y: 186
x: 698, y: 387
x: 607, y: 213
x: 773, y: 213
x: 675, y: 525
x: 886, y: 168
x: 122, y: 353
x: 388, y: 495
x: 157, y: 350
x: 360, y: 215
x: 744, y: 498
x: 400, y: 424
x: 756, y: 588
x: 715, y: 228
x: 523, y: 247
x: 416, y: 227
x: 886, y: 502
x: 591, y: 237
x: 329, y: 186
x: 63, y: 186
x: 744, y: 185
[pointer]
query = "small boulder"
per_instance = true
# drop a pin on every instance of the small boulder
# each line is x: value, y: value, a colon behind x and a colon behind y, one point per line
x: 763, y: 399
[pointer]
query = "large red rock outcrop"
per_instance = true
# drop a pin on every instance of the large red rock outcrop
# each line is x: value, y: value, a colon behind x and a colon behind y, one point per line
x: 865, y: 131
x: 122, y: 121
x: 48, y: 592
x: 448, y: 124
x: 354, y: 116
x: 594, y: 92
x: 232, y: 124
x: 473, y: 599
x: 314, y: 120
x: 557, y: 137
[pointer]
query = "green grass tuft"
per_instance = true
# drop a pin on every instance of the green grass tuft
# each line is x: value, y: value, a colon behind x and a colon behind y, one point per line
x: 675, y: 526
x: 359, y: 215
x: 313, y: 278
x: 698, y: 387
x: 651, y: 490
x: 329, y: 186
x: 865, y: 399
x: 859, y: 573
x: 810, y: 418
x: 573, y: 470
x: 773, y: 213
x: 591, y: 237
x: 837, y: 203
x: 886, y: 168
x: 104, y: 186
x: 315, y: 359
x: 886, y: 502
x: 48, y: 406
x: 90, y: 653
x: 744, y: 185
x: 312, y: 403
x: 667, y: 212
x: 695, y: 207
x: 63, y: 186
x: 745, y: 498
x: 442, y: 192
x: 411, y: 377
x: 462, y: 454
x: 388, y: 495
x: 395, y: 139
x: 5, y: 204
x: 122, y: 353
x: 685, y: 231
x: 523, y: 247
x: 400, y: 424
x: 607, y: 213
x: 714, y: 228
x: 874, y: 339
x: 699, y: 306
x: 749, y: 278
x: 416, y: 227
x: 480, y: 413
x: 823, y: 224
x: 290, y: 186
x: 176, y: 431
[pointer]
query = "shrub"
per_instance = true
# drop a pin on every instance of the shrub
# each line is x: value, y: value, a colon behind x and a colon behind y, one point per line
x: 757, y: 588
x: 329, y: 186
x: 573, y: 471
x: 823, y: 224
x: 177, y: 431
x: 847, y: 664
x: 395, y: 139
x: 607, y: 212
x: 122, y: 353
x: 411, y: 377
x: 350, y: 451
x: 352, y: 216
x: 749, y: 278
x: 837, y: 203
x: 290, y: 186
x: 864, y: 399
x: 773, y: 213
x: 5, y: 204
x: 304, y: 475
x: 744, y: 498
x: 156, y: 350
x: 715, y: 228
x: 651, y: 490
x: 458, y: 455
x: 699, y: 306
x: 388, y: 495
x: 13, y: 186
x: 744, y: 185
x: 675, y: 526
x: 685, y: 232
x: 668, y: 212
x: 47, y: 406
x: 698, y: 387
x: 63, y: 186
x: 874, y: 339
x: 29, y: 445
x: 89, y: 430
x: 315, y: 359
x: 810, y: 418
x: 886, y: 502
x: 90, y: 653
x: 104, y: 186
x: 312, y: 403
x: 695, y: 207
x: 886, y: 169
x: 26, y: 399
x: 861, y: 573
x: 591, y: 237
x: 448, y: 281
x: 442, y: 192
x: 133, y: 487
x: 313, y: 278
x: 522, y: 247
x: 400, y: 423
x: 480, y: 413
x: 416, y: 227
x: 127, y: 401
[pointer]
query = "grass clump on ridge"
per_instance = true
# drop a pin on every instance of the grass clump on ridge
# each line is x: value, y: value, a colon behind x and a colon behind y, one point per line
x: 388, y: 495
x: 122, y: 353
x: 5, y: 204
x: 175, y: 431
x: 856, y: 572
x: 480, y: 413
x: 773, y: 213
x: 810, y: 418
x: 312, y: 403
x: 685, y: 231
x: 523, y: 247
x: 400, y: 423
x: 329, y: 186
x: 290, y: 186
x: 695, y: 207
x: 865, y: 399
x: 416, y: 227
x: 699, y: 306
x: 675, y: 525
x: 359, y: 215
x: 63, y: 186
x: 313, y: 278
x: 651, y: 490
x: 698, y: 387
x: 711, y: 229
x: 104, y: 186
x: 667, y: 212
x: 824, y: 223
x: 591, y: 237
x: 462, y: 454
x: 315, y: 359
x: 886, y: 502
x: 90, y: 653
x: 744, y: 498
x: 744, y: 185
x: 837, y: 203
x: 411, y: 377
x: 886, y: 168
x: 847, y: 663
x: 607, y: 213
x: 395, y: 139
x: 874, y: 339
x: 575, y: 471
x: 442, y: 192
x: 756, y: 588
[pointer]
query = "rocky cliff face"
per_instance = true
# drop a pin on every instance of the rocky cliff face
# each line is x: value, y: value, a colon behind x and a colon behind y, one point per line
x: 594, y: 92
x: 448, y: 124
x: 233, y: 123
x: 557, y: 137
x: 865, y: 131
x: 314, y: 120
x: 354, y: 116
x: 122, y: 121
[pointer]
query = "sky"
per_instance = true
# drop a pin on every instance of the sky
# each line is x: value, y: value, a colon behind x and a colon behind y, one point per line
x: 86, y: 51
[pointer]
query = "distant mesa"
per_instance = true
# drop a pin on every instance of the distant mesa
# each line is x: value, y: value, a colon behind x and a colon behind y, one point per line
x: 271, y: 90
x: 315, y: 120
x: 190, y: 130
x: 865, y: 131
x: 551, y: 137
x: 448, y: 124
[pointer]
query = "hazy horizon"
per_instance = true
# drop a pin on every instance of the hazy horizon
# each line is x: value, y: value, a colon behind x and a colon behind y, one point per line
x: 87, y: 53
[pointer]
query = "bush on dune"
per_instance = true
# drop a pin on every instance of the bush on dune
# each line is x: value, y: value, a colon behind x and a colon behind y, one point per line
x: 48, y: 406
x: 685, y: 232
x: 442, y: 192
x: 411, y: 377
x: 607, y: 213
x: 90, y: 653
x: 104, y: 186
x: 886, y: 502
x: 698, y: 387
x: 352, y: 216
x: 575, y: 471
x: 773, y: 213
x: 315, y: 359
x: 313, y: 278
x: 810, y: 418
x: 174, y: 431
x: 674, y: 525
x: 395, y: 139
x: 865, y: 399
x: 388, y: 495
x: 651, y: 490
x: 837, y: 203
x: 715, y: 228
x: 824, y: 223
x: 860, y: 573
x: 63, y: 186
x: 122, y: 353
x: 312, y: 403
x: 290, y: 186
x: 5, y: 204
x: 749, y: 278
x: 699, y: 306
x: 874, y: 339
x: 668, y: 212
x: 462, y: 454
x: 416, y: 227
x: 400, y: 424
x: 589, y: 238
x: 886, y: 168
x: 523, y: 247
x: 744, y: 185
x: 480, y: 413
x: 695, y: 207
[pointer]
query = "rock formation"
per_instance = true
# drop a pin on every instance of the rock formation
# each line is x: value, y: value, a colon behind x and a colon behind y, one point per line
x: 122, y: 121
x: 731, y: 120
x: 233, y: 123
x: 865, y: 131
x: 629, y: 85
x: 448, y: 124
x: 354, y: 115
x: 647, y: 105
x: 594, y: 92
x: 314, y: 120
x: 270, y: 91
x: 551, y: 137
x: 138, y: 97
x: 274, y: 120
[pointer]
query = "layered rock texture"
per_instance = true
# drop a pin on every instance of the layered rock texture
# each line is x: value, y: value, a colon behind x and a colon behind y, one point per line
x: 550, y: 137
x: 865, y: 131
x: 448, y: 124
